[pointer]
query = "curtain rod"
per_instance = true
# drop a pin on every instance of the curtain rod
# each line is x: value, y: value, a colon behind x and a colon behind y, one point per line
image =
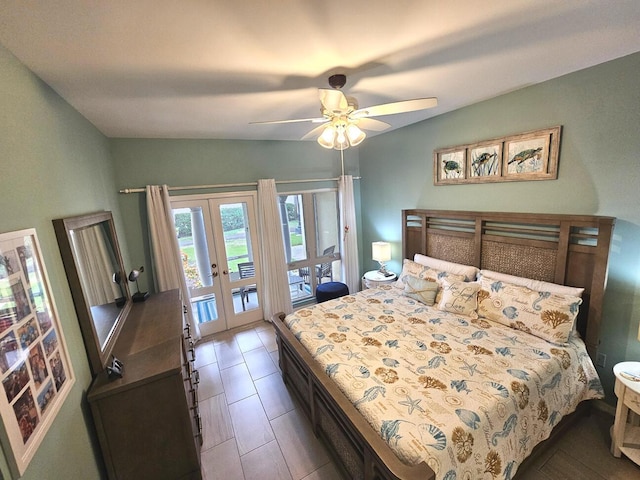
x: 226, y: 185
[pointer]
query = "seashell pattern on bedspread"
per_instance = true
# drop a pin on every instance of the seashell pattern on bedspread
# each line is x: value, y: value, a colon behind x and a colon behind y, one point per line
x: 470, y: 397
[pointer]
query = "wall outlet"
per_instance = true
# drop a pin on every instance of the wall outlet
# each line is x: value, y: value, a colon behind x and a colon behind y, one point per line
x: 601, y: 360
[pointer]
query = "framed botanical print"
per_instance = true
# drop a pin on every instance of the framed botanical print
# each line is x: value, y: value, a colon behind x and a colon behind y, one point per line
x: 35, y: 369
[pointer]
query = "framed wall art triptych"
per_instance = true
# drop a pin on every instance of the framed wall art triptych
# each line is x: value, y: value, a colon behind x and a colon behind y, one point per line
x: 35, y: 369
x: 526, y: 156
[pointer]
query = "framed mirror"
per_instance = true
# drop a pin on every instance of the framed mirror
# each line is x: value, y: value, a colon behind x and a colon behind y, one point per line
x: 98, y: 281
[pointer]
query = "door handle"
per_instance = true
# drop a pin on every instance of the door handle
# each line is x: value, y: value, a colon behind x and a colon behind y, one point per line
x: 214, y: 272
x: 224, y: 272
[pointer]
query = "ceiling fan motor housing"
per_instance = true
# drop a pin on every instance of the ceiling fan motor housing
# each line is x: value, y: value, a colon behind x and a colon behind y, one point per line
x: 337, y: 81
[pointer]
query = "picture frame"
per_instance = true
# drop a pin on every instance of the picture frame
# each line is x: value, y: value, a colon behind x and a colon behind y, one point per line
x: 449, y: 165
x: 526, y: 156
x: 485, y: 161
x: 35, y: 369
x: 532, y: 156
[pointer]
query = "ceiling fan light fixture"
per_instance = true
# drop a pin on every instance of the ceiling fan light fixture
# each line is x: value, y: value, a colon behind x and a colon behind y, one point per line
x: 355, y: 135
x: 326, y: 139
x: 341, y: 144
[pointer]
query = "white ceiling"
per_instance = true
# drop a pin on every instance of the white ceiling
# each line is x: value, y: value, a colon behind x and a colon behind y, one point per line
x: 205, y: 69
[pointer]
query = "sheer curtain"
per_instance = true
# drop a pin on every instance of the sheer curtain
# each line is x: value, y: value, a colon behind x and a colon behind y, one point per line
x: 96, y: 264
x: 275, y: 281
x: 167, y: 270
x: 349, y: 239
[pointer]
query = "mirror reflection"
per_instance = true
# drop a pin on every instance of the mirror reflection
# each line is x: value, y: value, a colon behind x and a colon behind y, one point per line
x: 100, y: 276
x: 96, y: 275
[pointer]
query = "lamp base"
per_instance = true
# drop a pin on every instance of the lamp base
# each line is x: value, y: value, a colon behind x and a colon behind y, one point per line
x: 140, y: 296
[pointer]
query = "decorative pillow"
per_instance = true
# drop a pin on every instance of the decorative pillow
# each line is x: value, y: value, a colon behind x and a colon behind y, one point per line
x: 459, y: 297
x: 421, y: 290
x: 536, y: 285
x: 413, y: 269
x: 468, y: 271
x: 544, y: 314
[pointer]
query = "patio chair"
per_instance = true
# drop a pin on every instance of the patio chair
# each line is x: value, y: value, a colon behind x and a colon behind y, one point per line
x: 246, y: 270
x: 323, y: 270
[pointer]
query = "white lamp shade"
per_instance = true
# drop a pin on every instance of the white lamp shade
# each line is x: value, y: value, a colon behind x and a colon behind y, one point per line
x: 327, y: 137
x: 381, y: 251
x: 356, y: 136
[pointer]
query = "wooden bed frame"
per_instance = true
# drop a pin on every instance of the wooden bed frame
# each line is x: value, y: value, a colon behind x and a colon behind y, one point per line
x: 565, y: 249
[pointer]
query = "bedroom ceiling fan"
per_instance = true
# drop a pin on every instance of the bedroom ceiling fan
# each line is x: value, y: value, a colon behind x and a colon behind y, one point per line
x: 343, y: 121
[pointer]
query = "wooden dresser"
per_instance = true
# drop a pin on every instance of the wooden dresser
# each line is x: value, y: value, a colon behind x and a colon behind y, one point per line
x: 147, y: 421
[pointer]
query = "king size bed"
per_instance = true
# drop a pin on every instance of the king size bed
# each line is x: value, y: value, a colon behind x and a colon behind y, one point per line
x: 480, y: 352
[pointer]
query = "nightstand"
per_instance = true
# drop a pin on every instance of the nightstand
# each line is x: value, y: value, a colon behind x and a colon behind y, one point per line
x: 625, y: 438
x: 374, y: 278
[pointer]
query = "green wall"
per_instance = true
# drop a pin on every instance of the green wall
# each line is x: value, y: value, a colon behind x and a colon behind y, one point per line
x: 54, y: 164
x: 599, y: 174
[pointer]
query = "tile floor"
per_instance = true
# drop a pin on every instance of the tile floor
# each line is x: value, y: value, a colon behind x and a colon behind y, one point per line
x: 251, y: 426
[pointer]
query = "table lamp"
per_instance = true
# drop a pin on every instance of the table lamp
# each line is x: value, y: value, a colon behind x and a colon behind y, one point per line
x: 381, y: 252
x: 133, y: 277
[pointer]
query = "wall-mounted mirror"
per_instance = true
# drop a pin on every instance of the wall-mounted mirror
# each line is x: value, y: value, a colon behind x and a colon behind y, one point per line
x: 98, y: 281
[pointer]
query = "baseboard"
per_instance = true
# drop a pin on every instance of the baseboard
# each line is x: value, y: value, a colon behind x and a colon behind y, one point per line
x: 604, y: 407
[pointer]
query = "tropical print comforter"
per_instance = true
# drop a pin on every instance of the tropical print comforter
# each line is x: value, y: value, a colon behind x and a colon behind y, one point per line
x: 469, y: 396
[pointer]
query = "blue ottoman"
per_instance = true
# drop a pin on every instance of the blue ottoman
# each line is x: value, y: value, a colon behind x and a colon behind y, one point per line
x: 330, y: 290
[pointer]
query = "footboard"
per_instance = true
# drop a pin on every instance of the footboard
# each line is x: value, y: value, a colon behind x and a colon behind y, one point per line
x: 359, y: 450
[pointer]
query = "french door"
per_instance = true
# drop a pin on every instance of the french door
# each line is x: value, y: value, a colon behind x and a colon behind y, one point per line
x: 217, y: 235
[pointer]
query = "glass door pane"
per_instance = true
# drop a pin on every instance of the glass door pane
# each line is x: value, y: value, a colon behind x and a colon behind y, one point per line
x: 200, y: 270
x: 220, y: 258
x: 235, y: 221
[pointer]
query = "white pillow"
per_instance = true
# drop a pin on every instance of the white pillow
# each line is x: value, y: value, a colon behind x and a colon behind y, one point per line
x: 537, y: 285
x: 468, y: 271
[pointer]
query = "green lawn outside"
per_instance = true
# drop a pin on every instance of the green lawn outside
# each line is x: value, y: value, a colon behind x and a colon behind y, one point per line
x: 235, y: 248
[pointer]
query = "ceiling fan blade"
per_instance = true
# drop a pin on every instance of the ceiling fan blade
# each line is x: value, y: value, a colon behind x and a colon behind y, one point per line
x: 314, y: 133
x: 372, y: 124
x: 333, y: 100
x: 396, y: 107
x: 295, y: 120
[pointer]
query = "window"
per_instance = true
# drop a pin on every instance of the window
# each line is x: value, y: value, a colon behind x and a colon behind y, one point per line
x: 310, y: 230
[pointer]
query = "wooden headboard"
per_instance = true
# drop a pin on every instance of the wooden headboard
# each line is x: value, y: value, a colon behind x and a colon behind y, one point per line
x: 565, y: 249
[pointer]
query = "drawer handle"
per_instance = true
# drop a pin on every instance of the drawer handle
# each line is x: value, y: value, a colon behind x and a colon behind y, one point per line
x: 192, y: 351
x: 196, y: 377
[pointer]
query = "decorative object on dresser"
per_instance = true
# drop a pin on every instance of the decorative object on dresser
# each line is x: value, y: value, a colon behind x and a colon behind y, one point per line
x: 35, y: 368
x: 525, y: 156
x: 625, y: 438
x: 566, y: 250
x: 133, y: 277
x: 97, y: 279
x: 148, y: 422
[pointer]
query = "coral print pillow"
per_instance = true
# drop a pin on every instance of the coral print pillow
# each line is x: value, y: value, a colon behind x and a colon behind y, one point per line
x: 544, y: 314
